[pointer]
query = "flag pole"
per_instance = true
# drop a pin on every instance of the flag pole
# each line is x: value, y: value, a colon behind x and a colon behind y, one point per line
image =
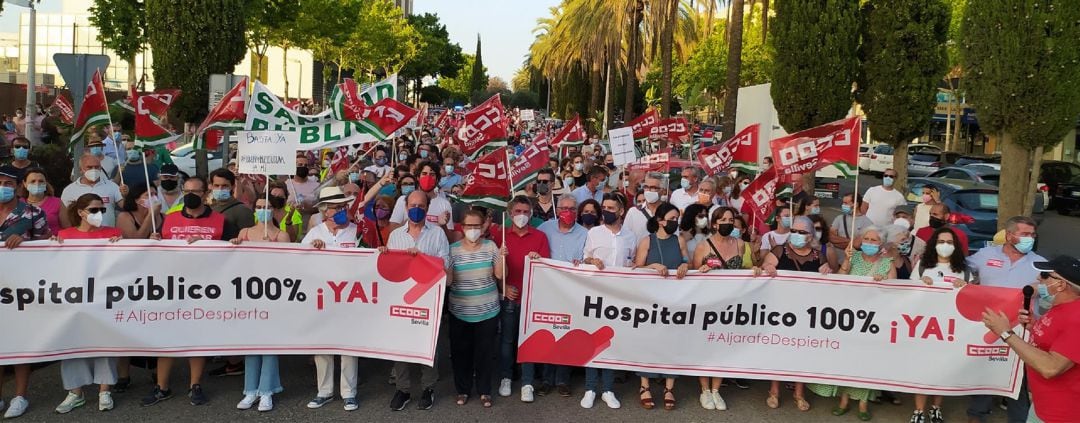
x: 116, y: 145
x: 510, y: 185
x: 266, y: 195
x: 146, y: 173
x: 854, y: 209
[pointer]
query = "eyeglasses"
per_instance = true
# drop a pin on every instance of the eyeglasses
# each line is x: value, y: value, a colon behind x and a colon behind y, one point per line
x: 93, y: 210
x: 336, y: 207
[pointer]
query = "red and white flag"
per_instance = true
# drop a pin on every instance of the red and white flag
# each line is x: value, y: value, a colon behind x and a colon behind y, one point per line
x: 643, y: 125
x: 483, y: 126
x: 739, y: 151
x: 228, y: 114
x: 148, y: 131
x: 673, y: 129
x: 812, y: 149
x: 759, y: 198
x: 571, y: 134
x: 66, y: 109
x: 487, y: 182
x: 94, y: 110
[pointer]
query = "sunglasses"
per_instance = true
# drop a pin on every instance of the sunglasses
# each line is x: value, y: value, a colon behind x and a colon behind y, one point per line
x: 93, y: 210
x: 800, y: 232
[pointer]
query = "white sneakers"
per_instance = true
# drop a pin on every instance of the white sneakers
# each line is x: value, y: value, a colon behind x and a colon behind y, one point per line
x: 266, y: 402
x: 707, y: 400
x: 71, y: 402
x: 247, y: 402
x: 718, y: 401
x: 504, y: 388
x: 527, y: 393
x: 17, y: 408
x: 105, y: 401
x: 608, y: 398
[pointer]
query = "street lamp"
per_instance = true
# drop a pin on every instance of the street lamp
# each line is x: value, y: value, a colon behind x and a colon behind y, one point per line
x: 31, y: 57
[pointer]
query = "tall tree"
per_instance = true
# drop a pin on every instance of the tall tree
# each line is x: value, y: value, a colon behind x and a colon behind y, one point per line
x: 324, y: 27
x: 438, y: 57
x: 903, y: 59
x: 1022, y: 61
x: 669, y: 10
x: 382, y: 41
x: 633, y: 55
x: 120, y: 25
x: 478, y: 80
x: 734, y: 66
x: 266, y: 21
x: 192, y: 39
x: 460, y: 87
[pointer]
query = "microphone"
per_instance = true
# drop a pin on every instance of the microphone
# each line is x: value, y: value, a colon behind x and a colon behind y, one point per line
x: 1028, y: 292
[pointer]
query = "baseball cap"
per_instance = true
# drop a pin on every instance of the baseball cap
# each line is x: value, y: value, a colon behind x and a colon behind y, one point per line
x: 169, y: 170
x: 10, y: 171
x: 1066, y: 266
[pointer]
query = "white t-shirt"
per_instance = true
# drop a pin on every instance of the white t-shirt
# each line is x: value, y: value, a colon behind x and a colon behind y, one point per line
x: 379, y: 171
x: 439, y: 206
x: 106, y: 189
x: 773, y: 239
x: 882, y: 204
x: 636, y: 221
x: 614, y: 249
x: 681, y: 199
x: 940, y: 274
x: 345, y: 237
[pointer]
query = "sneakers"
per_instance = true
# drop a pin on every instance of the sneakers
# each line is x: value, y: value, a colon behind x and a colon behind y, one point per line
x: 706, y: 400
x: 319, y: 402
x: 527, y: 393
x: 351, y: 404
x: 718, y: 401
x: 72, y: 402
x: 504, y: 387
x: 17, y: 407
x: 427, y: 399
x: 156, y: 396
x: 247, y: 402
x: 917, y: 417
x: 610, y: 400
x: 543, y: 389
x: 266, y: 403
x: 105, y: 401
x: 401, y: 399
x: 739, y: 383
x: 588, y: 400
x: 935, y: 414
x: 228, y: 370
x: 564, y: 390
x: 122, y: 385
x: 196, y: 395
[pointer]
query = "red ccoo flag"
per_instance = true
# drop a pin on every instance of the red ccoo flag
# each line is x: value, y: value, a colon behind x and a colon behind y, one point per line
x: 812, y: 149
x: 739, y: 151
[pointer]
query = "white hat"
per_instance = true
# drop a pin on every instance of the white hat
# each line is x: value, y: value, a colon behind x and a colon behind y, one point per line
x: 332, y: 195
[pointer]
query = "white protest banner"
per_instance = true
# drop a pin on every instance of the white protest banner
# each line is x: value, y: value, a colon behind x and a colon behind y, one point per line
x: 267, y: 152
x: 166, y: 298
x: 622, y: 145
x: 267, y: 113
x: 804, y: 327
x: 528, y: 115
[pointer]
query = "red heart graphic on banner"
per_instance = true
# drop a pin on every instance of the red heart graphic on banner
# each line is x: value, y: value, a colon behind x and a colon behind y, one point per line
x: 575, y: 348
x: 394, y: 265
x: 400, y: 266
x: 973, y: 300
x: 537, y: 347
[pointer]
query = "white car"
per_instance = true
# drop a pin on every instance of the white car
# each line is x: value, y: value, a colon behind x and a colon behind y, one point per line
x: 881, y: 157
x: 864, y: 155
x: 184, y: 159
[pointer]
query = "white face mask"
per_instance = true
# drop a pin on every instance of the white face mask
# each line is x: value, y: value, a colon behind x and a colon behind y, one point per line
x: 945, y: 250
x: 95, y: 219
x: 472, y: 235
x: 701, y: 222
x: 92, y: 175
x: 521, y: 220
x: 652, y: 197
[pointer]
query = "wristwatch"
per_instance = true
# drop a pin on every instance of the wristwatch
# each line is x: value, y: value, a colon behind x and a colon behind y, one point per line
x: 1005, y: 335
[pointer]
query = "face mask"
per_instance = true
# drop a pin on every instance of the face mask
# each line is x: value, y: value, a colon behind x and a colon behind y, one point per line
x: 133, y: 155
x: 785, y: 221
x: 684, y: 183
x: 567, y: 217
x: 609, y: 217
x: 95, y: 151
x: 579, y: 166
x: 611, y: 166
x: 423, y: 154
x: 744, y: 185
x: 302, y: 171
x: 728, y: 190
x: 341, y: 217
x: 382, y: 214
x: 905, y: 248
x: 354, y: 176
x: 870, y: 249
x: 6, y: 194
x: 521, y: 220
x: 704, y: 199
x: 21, y: 153
x: 95, y: 219
x: 147, y: 203
x: 92, y: 175
x: 726, y: 229
x: 36, y: 189
x: 815, y: 210
x: 277, y: 202
x: 845, y: 209
x: 1025, y: 244
x: 403, y: 157
x: 427, y: 183
x: 652, y: 197
x: 380, y: 161
x: 1044, y: 294
x: 887, y: 181
x: 671, y: 227
x: 473, y: 234
x: 926, y: 198
x: 169, y: 184
x: 944, y: 250
x: 449, y: 169
x: 701, y: 222
x: 797, y: 240
x: 406, y: 190
x: 543, y: 188
x: 736, y: 233
x: 263, y: 215
x: 817, y: 235
x: 664, y: 197
x: 936, y: 223
x: 192, y: 201
x: 221, y: 194
x: 417, y: 214
x: 568, y: 182
x: 588, y: 219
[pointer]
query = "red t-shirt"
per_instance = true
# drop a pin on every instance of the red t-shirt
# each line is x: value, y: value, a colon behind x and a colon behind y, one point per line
x: 1055, y: 400
x: 519, y: 246
x: 924, y: 233
x: 101, y: 233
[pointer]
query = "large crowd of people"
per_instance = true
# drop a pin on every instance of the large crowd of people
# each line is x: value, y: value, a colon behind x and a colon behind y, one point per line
x: 401, y: 195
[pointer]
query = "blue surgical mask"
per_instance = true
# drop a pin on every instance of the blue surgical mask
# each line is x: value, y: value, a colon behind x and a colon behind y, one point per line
x: 785, y: 221
x: 728, y: 189
x: 870, y: 249
x: 21, y: 153
x: 262, y: 215
x: 845, y: 208
x: 417, y: 214
x: 887, y: 181
x: 354, y: 176
x: 133, y: 155
x: 408, y: 189
x: 1026, y: 244
x: 423, y: 154
x: 403, y: 157
x: 380, y: 161
x: 1044, y: 294
x: 736, y: 233
x: 449, y: 169
x: 797, y: 240
x: 685, y: 183
x: 95, y: 151
x: 36, y: 189
x: 815, y: 210
x: 341, y: 217
x: 221, y: 194
x: 6, y: 194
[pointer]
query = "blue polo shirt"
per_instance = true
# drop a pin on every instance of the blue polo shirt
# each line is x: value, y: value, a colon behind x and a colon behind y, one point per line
x: 565, y: 246
x: 996, y: 269
x: 582, y: 193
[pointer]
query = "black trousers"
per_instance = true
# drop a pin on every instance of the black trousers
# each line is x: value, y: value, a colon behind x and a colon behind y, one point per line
x: 472, y: 347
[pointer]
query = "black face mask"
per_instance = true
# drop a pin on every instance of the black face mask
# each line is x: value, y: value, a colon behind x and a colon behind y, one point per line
x: 936, y: 223
x: 609, y: 217
x: 169, y: 185
x: 302, y: 171
x: 543, y: 188
x: 192, y: 201
x: 671, y: 227
x: 725, y: 229
x: 277, y: 202
x: 587, y: 219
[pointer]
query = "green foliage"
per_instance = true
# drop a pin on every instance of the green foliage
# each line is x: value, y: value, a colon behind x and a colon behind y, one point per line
x: 903, y: 59
x: 434, y: 94
x: 459, y: 87
x: 815, y: 63
x: 1022, y: 61
x: 524, y: 100
x: 120, y: 25
x: 56, y: 160
x: 324, y: 27
x: 382, y: 41
x: 437, y: 57
x: 192, y: 39
x: 268, y: 21
x: 478, y: 80
x: 707, y: 64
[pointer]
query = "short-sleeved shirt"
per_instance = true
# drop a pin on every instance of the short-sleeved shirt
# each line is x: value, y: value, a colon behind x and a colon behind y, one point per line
x: 26, y: 221
x: 682, y: 199
x: 939, y: 273
x: 432, y: 241
x: 565, y: 246
x: 303, y: 192
x: 101, y: 233
x: 995, y: 269
x: 473, y: 295
x: 344, y: 238
x: 439, y: 206
x: 1057, y: 331
x: 614, y: 249
x: 882, y: 204
x: 842, y: 224
x: 447, y: 182
x: 772, y: 239
x: 582, y: 193
x: 518, y: 247
x: 104, y: 188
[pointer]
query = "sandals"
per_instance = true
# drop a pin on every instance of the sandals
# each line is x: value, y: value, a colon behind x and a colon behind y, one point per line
x: 802, y: 404
x: 485, y: 400
x: 773, y: 401
x: 669, y: 404
x: 865, y: 416
x: 462, y: 399
x: 839, y: 411
x: 646, y: 403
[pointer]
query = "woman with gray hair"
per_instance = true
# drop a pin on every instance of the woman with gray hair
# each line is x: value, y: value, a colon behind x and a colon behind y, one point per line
x: 898, y: 247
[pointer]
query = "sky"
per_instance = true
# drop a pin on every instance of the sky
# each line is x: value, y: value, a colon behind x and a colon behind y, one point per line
x: 505, y: 26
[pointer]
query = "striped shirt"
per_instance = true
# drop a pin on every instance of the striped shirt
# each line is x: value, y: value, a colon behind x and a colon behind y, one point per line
x: 473, y: 295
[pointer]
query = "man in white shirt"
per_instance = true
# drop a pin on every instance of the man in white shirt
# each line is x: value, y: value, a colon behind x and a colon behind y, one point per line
x: 439, y: 210
x: 638, y: 217
x: 687, y: 194
x: 883, y: 200
x: 611, y: 243
x: 93, y: 180
x: 381, y: 165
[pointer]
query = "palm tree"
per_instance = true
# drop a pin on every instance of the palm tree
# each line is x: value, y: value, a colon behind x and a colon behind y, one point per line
x: 734, y: 66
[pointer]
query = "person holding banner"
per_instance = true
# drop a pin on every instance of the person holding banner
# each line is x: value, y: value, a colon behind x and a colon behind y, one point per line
x: 37, y: 192
x: 139, y: 213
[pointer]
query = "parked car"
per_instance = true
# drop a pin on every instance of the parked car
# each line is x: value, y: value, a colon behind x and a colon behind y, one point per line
x: 1053, y: 173
x: 881, y: 157
x: 973, y: 206
x: 184, y: 159
x: 928, y: 161
x: 864, y: 156
x: 975, y: 173
x: 1067, y: 196
x: 977, y: 158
